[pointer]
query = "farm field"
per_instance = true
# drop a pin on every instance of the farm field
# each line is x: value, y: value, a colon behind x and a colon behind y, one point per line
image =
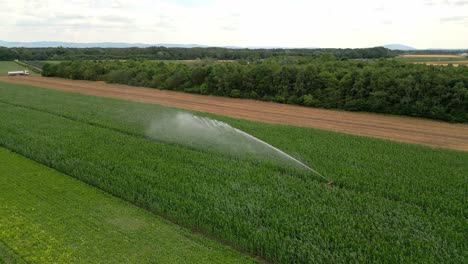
x: 392, y: 202
x: 402, y: 129
x: 431, y: 56
x: 445, y: 63
x: 434, y: 59
x: 6, y: 66
x: 48, y: 217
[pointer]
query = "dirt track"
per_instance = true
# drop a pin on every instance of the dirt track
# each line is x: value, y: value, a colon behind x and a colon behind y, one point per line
x: 402, y: 129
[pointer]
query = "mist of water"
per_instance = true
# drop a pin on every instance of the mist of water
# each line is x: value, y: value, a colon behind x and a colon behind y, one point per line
x: 212, y: 135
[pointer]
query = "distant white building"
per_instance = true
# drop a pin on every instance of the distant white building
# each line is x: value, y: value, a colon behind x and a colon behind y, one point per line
x: 464, y: 54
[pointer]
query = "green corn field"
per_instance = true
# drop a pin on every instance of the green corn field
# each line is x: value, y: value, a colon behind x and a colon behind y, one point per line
x: 392, y: 202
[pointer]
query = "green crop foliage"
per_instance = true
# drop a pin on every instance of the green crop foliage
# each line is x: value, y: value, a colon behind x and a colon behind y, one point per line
x: 48, y: 217
x: 393, y: 202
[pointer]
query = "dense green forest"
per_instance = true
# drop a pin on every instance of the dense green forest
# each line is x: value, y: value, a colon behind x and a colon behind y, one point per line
x: 383, y: 86
x: 162, y: 53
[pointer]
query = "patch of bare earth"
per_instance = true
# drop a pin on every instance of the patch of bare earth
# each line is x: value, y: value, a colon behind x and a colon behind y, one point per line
x: 430, y: 56
x: 443, y: 63
x: 402, y: 129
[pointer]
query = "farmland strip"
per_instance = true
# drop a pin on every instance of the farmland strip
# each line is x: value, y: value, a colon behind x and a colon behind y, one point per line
x: 219, y: 106
x: 410, y: 130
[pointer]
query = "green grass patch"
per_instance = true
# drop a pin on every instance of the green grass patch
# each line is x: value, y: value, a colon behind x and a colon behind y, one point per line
x: 393, y: 202
x: 48, y: 217
x: 6, y: 66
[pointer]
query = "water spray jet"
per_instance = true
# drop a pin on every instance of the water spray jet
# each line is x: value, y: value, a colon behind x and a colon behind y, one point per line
x: 213, y: 135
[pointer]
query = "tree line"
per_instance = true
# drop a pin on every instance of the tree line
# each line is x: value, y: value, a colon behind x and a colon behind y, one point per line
x: 162, y: 53
x: 382, y: 86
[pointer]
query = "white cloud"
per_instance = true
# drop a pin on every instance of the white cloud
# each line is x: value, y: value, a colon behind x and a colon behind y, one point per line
x: 293, y: 23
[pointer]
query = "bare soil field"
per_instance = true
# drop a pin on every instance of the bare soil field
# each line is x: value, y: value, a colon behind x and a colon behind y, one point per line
x: 434, y: 59
x: 444, y: 63
x: 402, y: 129
x: 431, y: 56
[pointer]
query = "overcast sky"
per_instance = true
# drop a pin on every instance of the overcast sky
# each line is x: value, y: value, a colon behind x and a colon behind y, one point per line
x: 288, y: 23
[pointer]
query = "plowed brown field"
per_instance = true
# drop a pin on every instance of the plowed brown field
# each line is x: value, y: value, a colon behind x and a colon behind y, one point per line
x: 430, y: 56
x: 402, y: 129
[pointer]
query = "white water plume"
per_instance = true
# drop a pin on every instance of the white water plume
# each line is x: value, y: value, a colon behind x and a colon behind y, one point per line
x: 209, y: 134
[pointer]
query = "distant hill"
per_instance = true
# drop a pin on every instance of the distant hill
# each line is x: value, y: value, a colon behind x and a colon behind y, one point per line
x: 53, y: 44
x: 398, y: 47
